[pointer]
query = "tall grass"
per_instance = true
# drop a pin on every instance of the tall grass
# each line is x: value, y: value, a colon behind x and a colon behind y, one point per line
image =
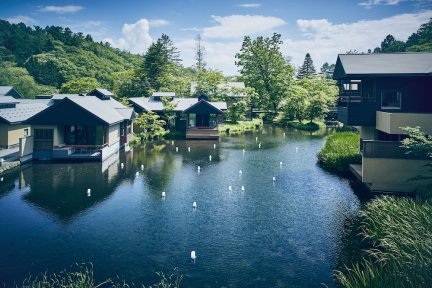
x: 399, y: 231
x: 81, y: 276
x: 340, y: 150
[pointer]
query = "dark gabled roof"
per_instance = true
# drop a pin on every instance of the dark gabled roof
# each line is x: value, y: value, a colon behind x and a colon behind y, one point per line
x: 21, y: 112
x: 5, y: 89
x: 98, y: 108
x: 8, y: 100
x: 205, y: 107
x: 9, y: 91
x: 383, y: 64
x: 79, y: 110
x: 100, y: 91
x: 182, y: 104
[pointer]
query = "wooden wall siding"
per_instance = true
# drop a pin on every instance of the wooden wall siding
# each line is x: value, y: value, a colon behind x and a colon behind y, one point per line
x: 358, y: 114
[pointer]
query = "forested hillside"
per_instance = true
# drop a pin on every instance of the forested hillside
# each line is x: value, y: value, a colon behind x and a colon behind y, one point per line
x: 40, y: 60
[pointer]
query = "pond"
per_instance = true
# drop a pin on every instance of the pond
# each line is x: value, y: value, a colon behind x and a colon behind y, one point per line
x: 285, y: 232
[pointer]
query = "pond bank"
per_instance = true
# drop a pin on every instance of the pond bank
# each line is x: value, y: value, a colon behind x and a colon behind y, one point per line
x: 7, y: 166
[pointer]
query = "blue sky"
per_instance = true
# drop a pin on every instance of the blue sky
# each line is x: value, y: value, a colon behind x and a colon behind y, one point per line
x: 322, y: 28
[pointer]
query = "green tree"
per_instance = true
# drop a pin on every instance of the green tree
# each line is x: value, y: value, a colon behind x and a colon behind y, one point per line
x: 327, y: 70
x: 150, y: 126
x: 168, y: 111
x: 80, y: 85
x: 160, y: 60
x: 207, y: 82
x: 418, y: 143
x: 264, y: 68
x: 294, y: 106
x: 307, y: 70
x: 199, y: 54
x: 236, y: 111
x: 318, y: 106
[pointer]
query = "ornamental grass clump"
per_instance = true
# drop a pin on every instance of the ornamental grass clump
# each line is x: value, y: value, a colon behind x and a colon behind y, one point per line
x: 340, y: 150
x: 399, y: 231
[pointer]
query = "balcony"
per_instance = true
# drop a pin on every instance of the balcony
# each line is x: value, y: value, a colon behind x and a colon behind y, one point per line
x: 386, y: 149
x: 391, y: 122
x: 354, y: 110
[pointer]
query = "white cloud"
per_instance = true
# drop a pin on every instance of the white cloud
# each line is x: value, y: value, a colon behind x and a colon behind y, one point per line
x: 241, y: 25
x: 61, y: 9
x: 158, y: 22
x: 324, y: 40
x: 369, y: 3
x: 22, y: 19
x: 250, y: 5
x: 219, y: 55
x: 136, y: 37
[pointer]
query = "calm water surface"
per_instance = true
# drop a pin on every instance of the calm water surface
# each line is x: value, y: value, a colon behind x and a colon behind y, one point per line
x: 286, y: 233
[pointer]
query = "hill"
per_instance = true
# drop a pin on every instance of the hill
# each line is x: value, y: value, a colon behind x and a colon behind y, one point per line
x: 39, y: 60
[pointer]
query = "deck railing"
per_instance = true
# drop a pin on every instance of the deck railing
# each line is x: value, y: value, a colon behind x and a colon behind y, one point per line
x: 386, y: 149
x: 82, y: 149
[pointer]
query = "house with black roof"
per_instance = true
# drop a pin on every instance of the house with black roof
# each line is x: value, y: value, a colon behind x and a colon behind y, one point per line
x: 379, y: 94
x: 83, y: 127
x: 197, y: 117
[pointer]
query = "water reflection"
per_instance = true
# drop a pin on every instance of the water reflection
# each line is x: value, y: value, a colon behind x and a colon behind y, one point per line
x: 273, y: 233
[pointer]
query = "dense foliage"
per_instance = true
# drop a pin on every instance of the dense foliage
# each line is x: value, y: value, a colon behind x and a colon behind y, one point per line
x: 340, y: 150
x: 420, y: 41
x: 54, y: 55
x: 264, y: 68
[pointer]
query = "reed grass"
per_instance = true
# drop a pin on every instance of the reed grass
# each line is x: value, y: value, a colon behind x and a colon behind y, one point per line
x: 81, y: 276
x: 399, y: 231
x: 340, y: 150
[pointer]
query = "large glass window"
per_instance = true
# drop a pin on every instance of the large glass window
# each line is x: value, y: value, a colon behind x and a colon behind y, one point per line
x: 391, y: 99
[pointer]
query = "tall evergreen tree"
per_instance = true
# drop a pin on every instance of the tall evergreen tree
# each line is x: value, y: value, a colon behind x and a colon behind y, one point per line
x: 307, y: 70
x: 327, y: 70
x: 199, y: 55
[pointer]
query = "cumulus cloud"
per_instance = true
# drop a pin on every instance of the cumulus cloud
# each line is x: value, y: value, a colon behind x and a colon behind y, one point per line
x: 136, y: 37
x: 22, y: 19
x: 249, y: 5
x: 241, y: 25
x: 324, y: 40
x: 158, y: 22
x: 61, y: 9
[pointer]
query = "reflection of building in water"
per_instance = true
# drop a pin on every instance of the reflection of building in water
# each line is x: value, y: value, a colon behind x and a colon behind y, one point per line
x: 61, y: 189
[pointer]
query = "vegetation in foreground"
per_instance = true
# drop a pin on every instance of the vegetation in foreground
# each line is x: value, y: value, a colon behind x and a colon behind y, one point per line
x: 241, y: 126
x: 398, y: 232
x: 340, y: 150
x: 82, y: 276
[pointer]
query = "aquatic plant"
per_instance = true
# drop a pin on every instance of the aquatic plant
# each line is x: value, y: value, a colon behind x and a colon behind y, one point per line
x: 340, y: 150
x: 400, y: 235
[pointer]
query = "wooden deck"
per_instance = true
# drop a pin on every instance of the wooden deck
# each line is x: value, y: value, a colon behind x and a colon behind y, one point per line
x: 202, y: 133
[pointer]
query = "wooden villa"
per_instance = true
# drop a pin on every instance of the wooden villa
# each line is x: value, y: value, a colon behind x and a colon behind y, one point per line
x: 197, y: 117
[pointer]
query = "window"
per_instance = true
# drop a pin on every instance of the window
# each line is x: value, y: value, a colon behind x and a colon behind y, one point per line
x: 352, y: 85
x: 26, y: 132
x: 391, y: 99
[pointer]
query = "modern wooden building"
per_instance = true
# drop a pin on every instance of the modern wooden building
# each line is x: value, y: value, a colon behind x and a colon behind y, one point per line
x: 379, y: 94
x: 197, y: 117
x: 79, y: 127
x: 9, y: 91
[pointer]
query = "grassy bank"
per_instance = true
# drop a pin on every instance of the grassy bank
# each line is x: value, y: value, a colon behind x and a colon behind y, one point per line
x: 399, y: 236
x: 81, y: 276
x: 340, y: 150
x: 241, y: 126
